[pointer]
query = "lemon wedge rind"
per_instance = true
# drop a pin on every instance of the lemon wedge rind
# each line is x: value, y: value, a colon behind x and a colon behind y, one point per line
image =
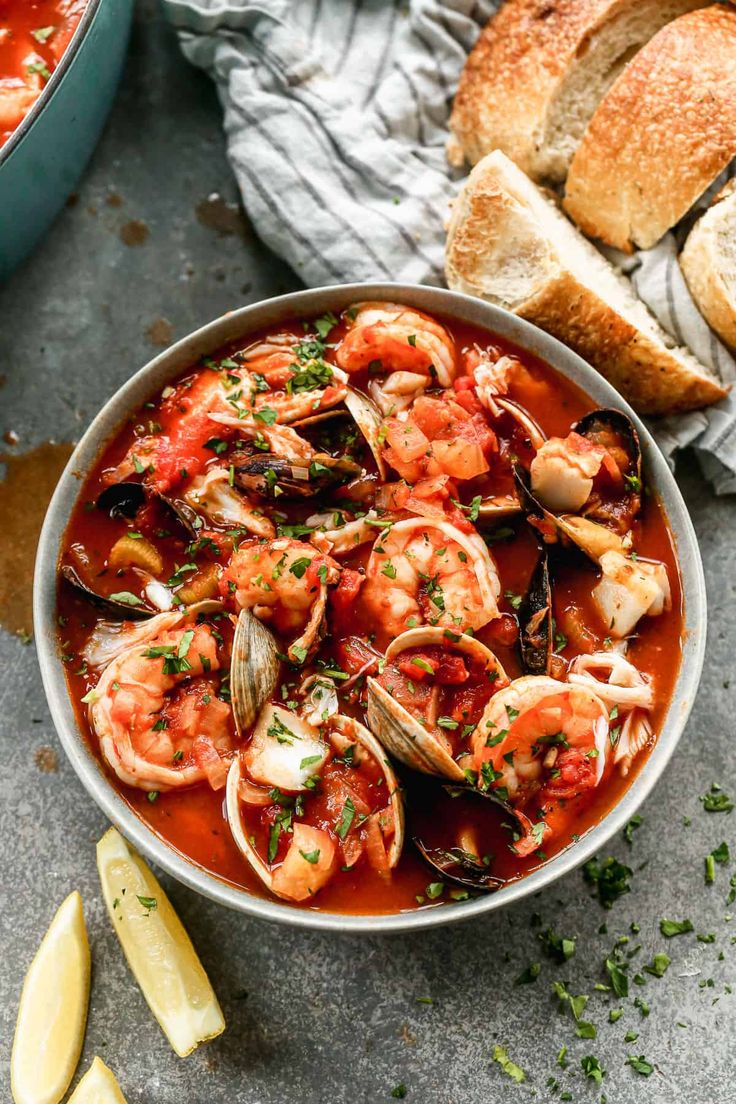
x: 52, y: 1014
x: 157, y: 947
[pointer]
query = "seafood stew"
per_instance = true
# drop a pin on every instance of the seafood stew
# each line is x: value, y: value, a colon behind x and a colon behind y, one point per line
x: 370, y: 613
x: 33, y: 37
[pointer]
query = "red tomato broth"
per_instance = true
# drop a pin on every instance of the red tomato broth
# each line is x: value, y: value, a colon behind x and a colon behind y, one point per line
x: 194, y: 823
x: 33, y: 37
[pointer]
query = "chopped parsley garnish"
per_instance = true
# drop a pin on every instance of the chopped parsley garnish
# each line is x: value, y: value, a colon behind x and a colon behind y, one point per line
x: 716, y: 801
x: 126, y: 598
x: 346, y: 819
x: 669, y: 928
x: 592, y: 1068
x: 640, y: 1064
x: 310, y: 856
x: 611, y: 879
x: 556, y: 946
x: 634, y: 823
x: 500, y: 1055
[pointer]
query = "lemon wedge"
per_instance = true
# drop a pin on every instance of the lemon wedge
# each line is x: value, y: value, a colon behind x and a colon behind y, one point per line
x: 53, y: 1010
x: 158, y: 949
x: 98, y: 1086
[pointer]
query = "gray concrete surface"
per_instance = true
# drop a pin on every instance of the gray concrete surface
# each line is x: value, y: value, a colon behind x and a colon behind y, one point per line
x: 316, y: 1018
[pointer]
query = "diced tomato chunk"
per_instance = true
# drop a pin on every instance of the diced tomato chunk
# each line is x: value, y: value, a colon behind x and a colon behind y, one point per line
x: 208, y: 760
x: 577, y: 774
x: 503, y: 630
x: 419, y: 666
x: 452, y: 671
x: 353, y: 653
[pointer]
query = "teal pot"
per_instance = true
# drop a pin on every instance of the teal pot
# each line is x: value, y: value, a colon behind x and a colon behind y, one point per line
x: 44, y: 158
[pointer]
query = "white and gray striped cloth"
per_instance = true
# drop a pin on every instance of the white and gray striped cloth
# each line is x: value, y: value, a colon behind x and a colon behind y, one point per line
x: 336, y: 119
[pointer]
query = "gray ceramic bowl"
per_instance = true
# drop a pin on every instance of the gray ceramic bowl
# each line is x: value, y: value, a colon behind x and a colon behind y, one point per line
x: 309, y: 304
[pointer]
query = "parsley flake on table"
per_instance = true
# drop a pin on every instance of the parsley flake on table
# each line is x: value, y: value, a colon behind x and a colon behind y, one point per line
x: 611, y: 879
x: 640, y: 1064
x: 716, y: 801
x: 592, y: 1068
x: 669, y: 928
x: 500, y: 1055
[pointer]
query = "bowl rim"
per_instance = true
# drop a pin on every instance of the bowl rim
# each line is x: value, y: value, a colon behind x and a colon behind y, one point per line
x: 54, y: 81
x: 145, y: 383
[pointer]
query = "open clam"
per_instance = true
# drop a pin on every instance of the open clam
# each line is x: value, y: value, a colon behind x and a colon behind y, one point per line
x: 369, y: 421
x: 254, y: 669
x: 425, y: 742
x: 287, y: 762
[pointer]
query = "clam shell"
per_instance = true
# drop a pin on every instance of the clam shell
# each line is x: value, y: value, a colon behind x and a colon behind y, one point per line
x: 356, y: 733
x: 254, y: 670
x: 359, y: 734
x: 403, y: 736
x: 369, y: 420
x: 242, y: 842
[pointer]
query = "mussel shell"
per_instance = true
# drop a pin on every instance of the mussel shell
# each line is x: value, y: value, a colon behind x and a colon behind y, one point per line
x: 609, y: 420
x: 273, y: 477
x: 535, y: 617
x: 254, y: 670
x: 458, y: 866
x: 122, y: 499
x: 118, y: 611
x: 590, y: 537
x: 534, y: 432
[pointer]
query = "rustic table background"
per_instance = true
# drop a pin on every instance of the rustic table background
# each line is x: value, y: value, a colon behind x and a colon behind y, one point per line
x: 152, y: 246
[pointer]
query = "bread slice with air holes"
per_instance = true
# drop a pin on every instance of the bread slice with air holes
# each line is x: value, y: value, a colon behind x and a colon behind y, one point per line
x: 662, y: 134
x: 510, y: 244
x: 708, y: 263
x: 538, y: 71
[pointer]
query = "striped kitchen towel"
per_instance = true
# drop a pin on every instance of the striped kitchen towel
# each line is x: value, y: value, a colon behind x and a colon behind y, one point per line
x: 336, y: 115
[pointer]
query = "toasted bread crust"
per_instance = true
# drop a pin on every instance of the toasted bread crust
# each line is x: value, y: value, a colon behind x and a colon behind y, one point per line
x: 703, y: 268
x: 652, y: 380
x: 519, y: 65
x: 661, y: 135
x: 498, y: 250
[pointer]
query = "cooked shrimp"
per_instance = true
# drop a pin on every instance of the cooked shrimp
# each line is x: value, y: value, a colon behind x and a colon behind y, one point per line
x: 403, y: 340
x: 541, y: 739
x: 421, y: 570
x: 284, y: 582
x: 212, y: 495
x: 563, y: 470
x: 156, y: 714
x: 629, y: 590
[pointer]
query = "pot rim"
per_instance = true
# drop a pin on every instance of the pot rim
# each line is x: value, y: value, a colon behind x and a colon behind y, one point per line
x: 146, y: 382
x: 54, y: 81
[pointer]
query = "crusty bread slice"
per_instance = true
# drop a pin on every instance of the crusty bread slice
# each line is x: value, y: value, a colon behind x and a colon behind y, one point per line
x: 708, y: 263
x: 661, y: 135
x: 511, y: 245
x: 538, y: 71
